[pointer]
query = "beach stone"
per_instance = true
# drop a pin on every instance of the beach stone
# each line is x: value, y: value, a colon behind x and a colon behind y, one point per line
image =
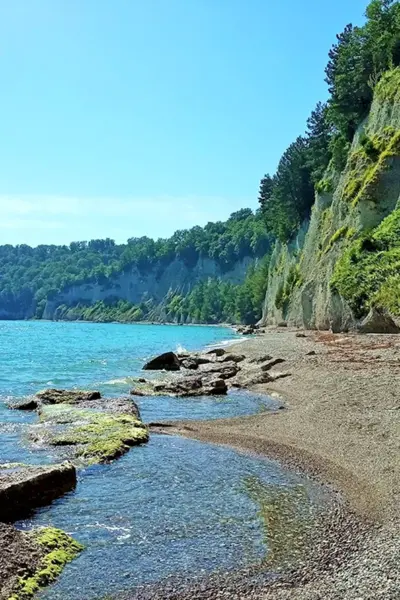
x: 378, y: 322
x: 272, y: 363
x: 26, y: 487
x: 164, y: 362
x: 260, y: 359
x: 224, y: 370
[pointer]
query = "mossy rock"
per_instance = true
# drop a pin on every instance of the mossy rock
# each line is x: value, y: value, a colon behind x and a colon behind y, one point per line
x: 58, y: 550
x: 95, y: 436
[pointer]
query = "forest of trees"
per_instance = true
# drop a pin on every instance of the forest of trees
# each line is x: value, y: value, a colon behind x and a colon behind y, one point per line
x: 35, y: 274
x: 356, y: 62
x: 358, y: 59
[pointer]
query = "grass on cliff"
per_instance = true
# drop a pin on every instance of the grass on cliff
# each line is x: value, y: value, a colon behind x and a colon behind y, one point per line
x: 368, y: 273
x: 59, y: 549
x: 368, y: 163
x: 98, y: 437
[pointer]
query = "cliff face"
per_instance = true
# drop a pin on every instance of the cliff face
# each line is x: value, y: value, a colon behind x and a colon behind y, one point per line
x: 313, y: 280
x: 135, y: 286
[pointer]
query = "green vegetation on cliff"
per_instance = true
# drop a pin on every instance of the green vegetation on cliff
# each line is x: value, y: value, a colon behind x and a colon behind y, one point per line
x: 357, y: 63
x: 368, y: 273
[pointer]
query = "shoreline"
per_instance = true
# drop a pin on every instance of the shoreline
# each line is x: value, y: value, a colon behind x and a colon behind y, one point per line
x: 340, y: 426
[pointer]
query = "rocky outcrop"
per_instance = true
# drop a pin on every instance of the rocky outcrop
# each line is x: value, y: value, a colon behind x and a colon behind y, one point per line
x: 24, y: 488
x: 216, y: 372
x: 55, y: 396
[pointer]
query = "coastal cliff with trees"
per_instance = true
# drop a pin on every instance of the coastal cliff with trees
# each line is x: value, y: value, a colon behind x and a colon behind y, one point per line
x: 323, y: 248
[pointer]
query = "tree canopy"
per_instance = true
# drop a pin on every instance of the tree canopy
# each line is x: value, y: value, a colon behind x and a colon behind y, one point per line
x: 356, y: 62
x: 33, y: 275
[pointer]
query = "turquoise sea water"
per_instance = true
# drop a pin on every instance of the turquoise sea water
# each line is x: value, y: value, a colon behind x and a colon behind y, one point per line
x: 173, y: 506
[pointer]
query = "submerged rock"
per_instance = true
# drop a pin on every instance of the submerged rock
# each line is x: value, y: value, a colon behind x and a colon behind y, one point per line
x: 25, y: 487
x: 378, y: 322
x: 165, y: 362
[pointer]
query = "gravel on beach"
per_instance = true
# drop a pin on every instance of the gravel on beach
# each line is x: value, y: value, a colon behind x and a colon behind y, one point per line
x: 341, y: 425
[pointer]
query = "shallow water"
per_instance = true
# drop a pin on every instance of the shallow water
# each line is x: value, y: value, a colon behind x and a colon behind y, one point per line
x: 174, y: 506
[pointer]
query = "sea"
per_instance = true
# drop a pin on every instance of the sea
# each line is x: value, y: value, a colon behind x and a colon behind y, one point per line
x: 173, y: 507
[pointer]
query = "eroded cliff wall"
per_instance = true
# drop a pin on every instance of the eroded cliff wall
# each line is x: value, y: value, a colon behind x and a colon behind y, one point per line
x: 135, y: 286
x: 307, y: 280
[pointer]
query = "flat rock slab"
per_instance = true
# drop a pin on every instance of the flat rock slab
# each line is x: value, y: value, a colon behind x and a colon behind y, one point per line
x: 90, y: 435
x: 24, y: 487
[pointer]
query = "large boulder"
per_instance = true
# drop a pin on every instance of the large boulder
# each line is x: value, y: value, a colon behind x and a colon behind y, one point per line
x: 23, y: 487
x: 165, y: 362
x: 378, y: 322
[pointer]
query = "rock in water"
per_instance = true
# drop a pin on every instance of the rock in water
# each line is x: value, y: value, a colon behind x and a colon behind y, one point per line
x: 53, y: 396
x: 165, y: 362
x: 28, y: 404
x: 378, y: 322
x: 24, y: 488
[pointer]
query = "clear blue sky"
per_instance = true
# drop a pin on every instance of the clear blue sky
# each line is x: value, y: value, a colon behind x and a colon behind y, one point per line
x: 122, y: 118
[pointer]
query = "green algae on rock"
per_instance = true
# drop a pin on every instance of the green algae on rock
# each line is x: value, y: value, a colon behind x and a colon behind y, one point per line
x: 58, y: 549
x: 95, y: 436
